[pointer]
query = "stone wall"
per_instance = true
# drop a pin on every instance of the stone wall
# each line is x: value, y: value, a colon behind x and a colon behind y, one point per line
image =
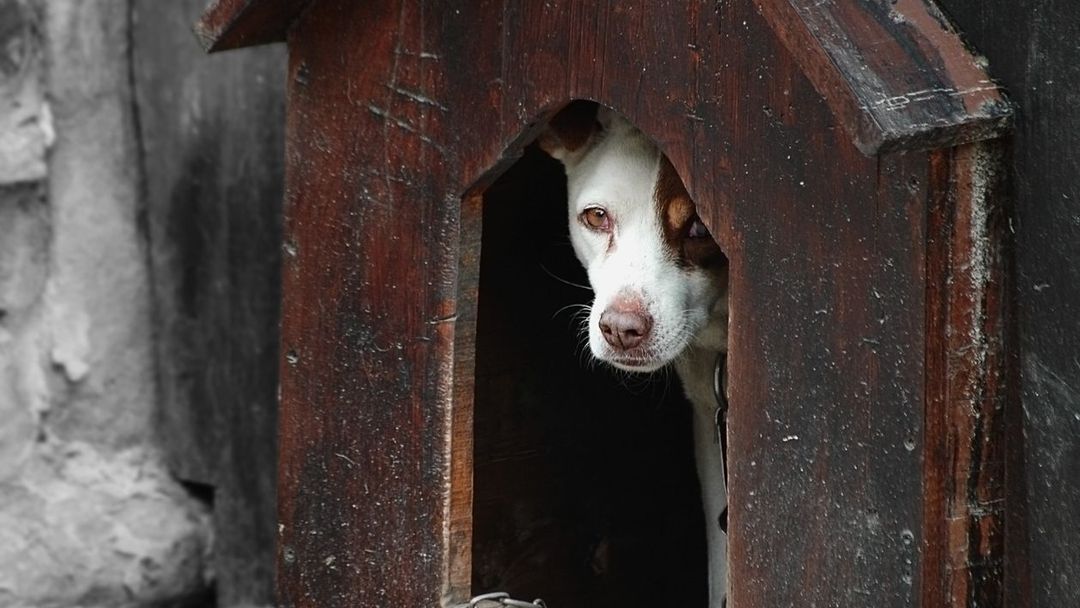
x: 89, y: 515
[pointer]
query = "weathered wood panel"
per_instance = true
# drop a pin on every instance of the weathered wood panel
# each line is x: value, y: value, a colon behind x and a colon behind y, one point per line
x: 1033, y: 48
x: 896, y: 73
x: 827, y: 376
x: 399, y: 108
x: 212, y: 140
x: 368, y: 323
x: 966, y: 393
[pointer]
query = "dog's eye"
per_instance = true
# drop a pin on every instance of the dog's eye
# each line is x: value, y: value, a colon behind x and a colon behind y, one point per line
x: 697, y: 230
x: 596, y: 218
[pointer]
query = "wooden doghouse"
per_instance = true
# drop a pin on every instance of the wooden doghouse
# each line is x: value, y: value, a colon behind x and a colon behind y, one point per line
x: 842, y: 154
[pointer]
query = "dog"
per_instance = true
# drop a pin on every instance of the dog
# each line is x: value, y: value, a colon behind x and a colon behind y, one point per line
x: 658, y: 277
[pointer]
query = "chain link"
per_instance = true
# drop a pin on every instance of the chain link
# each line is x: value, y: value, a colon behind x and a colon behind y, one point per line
x: 719, y: 374
x: 499, y: 600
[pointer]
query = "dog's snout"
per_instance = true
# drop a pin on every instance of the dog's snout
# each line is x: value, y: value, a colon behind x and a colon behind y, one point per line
x: 625, y: 326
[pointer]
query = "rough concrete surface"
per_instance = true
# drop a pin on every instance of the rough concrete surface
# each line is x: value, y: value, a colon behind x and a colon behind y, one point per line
x: 25, y: 130
x: 80, y: 527
x: 89, y: 515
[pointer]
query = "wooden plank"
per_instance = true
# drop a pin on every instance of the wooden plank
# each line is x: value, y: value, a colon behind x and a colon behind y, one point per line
x: 964, y: 467
x: 826, y: 340
x: 370, y: 316
x: 212, y: 139
x: 896, y: 74
x: 232, y: 24
x: 460, y: 541
x: 1032, y: 49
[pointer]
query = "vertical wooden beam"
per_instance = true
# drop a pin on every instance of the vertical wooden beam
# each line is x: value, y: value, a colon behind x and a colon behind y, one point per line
x: 460, y: 536
x: 964, y: 467
x: 370, y: 311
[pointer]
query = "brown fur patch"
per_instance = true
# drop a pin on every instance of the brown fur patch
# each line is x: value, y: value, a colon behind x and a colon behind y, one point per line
x: 677, y: 213
x: 570, y: 128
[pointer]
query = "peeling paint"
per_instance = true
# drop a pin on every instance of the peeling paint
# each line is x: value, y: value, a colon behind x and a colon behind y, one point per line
x: 984, y: 167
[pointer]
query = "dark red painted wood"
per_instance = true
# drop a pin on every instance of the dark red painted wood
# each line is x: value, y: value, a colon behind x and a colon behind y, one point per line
x: 368, y: 328
x: 231, y: 24
x: 966, y: 398
x: 211, y: 134
x: 895, y: 73
x: 399, y: 108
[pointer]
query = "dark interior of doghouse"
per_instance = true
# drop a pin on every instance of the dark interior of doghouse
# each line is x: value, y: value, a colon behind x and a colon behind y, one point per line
x: 585, y: 492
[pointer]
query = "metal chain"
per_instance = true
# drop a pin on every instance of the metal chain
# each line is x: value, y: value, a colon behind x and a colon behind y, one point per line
x: 499, y: 600
x: 719, y: 372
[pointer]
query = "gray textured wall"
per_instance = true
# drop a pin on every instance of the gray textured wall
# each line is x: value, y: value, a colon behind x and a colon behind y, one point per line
x: 89, y: 514
x: 212, y: 132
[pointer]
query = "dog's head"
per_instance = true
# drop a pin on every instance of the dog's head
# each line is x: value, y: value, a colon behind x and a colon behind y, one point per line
x: 659, y: 278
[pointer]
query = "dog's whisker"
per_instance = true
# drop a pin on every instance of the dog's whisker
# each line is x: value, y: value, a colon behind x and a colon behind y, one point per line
x: 665, y: 375
x: 564, y: 281
x: 578, y: 306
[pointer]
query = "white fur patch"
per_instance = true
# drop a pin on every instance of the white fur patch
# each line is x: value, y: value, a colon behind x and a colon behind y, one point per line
x: 618, y: 172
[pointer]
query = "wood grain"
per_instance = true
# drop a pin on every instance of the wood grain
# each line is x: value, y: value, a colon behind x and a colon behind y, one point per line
x: 896, y: 74
x: 368, y: 328
x: 398, y: 109
x: 966, y: 400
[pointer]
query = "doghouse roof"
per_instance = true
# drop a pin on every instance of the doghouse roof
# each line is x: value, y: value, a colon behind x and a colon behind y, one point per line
x: 896, y: 74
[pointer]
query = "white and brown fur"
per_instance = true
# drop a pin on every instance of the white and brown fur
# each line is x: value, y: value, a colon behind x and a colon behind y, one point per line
x: 659, y: 278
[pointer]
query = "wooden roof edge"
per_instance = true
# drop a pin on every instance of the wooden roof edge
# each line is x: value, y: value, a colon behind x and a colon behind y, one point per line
x: 896, y: 74
x: 232, y: 24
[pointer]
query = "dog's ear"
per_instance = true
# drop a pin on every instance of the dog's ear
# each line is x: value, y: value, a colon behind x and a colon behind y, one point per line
x: 570, y: 129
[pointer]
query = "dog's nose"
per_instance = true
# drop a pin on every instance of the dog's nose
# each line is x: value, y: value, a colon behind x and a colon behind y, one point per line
x: 625, y: 329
